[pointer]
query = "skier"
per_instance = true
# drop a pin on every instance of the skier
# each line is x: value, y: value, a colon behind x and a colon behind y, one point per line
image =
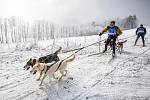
x: 113, y: 32
x: 140, y: 32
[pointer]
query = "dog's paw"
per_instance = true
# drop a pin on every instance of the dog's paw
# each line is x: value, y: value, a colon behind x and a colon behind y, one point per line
x: 59, y: 79
x: 37, y: 79
x: 56, y: 78
x: 71, y: 78
x: 40, y: 85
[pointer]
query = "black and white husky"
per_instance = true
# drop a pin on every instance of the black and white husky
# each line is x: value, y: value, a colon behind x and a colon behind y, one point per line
x: 45, y: 59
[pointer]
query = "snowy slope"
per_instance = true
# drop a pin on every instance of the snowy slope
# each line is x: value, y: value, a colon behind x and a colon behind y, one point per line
x: 97, y: 77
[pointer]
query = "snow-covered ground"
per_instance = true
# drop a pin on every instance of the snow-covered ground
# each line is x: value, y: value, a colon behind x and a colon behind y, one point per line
x: 98, y: 77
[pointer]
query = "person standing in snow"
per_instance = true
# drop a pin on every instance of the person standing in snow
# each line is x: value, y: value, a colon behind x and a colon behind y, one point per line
x: 113, y: 32
x: 140, y: 32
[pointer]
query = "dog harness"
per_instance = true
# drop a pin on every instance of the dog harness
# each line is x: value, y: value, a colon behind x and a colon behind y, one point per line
x: 50, y: 56
x: 48, y: 67
x: 43, y: 69
x: 59, y: 65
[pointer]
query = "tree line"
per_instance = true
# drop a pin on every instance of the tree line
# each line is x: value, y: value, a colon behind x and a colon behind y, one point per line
x: 14, y: 30
x: 126, y: 23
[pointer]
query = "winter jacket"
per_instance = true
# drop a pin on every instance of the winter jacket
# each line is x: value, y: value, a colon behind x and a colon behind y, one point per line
x: 114, y: 29
x: 141, y: 30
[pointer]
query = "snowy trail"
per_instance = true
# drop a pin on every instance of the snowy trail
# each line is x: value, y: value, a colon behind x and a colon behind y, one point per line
x: 123, y: 68
x: 95, y: 77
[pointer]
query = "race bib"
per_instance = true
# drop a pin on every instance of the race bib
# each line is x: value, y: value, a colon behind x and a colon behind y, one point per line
x: 140, y: 31
x: 111, y: 33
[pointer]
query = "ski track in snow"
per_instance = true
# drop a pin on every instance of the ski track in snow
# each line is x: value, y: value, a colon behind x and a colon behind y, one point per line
x: 97, y: 77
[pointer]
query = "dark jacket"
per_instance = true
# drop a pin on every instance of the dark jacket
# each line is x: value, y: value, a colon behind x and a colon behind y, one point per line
x: 141, y: 30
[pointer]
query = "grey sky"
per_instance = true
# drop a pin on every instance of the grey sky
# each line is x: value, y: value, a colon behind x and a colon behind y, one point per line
x: 75, y: 11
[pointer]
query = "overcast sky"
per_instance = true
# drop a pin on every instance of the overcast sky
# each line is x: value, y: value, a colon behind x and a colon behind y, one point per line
x: 75, y: 11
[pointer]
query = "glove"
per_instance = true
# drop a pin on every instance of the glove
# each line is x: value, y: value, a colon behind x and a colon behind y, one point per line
x: 100, y: 34
x: 117, y: 35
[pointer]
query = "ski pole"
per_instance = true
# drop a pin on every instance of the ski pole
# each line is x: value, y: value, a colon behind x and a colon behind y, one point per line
x: 99, y: 44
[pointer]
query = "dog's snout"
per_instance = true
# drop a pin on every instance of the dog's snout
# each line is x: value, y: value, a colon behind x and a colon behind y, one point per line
x: 28, y: 68
x: 31, y: 71
x: 34, y: 72
x: 25, y: 66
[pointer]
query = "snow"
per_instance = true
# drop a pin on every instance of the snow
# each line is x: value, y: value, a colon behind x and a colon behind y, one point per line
x: 97, y: 77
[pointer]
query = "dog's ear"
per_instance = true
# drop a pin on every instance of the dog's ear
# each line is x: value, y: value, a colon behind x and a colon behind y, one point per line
x: 34, y: 61
x: 40, y: 59
x: 30, y: 59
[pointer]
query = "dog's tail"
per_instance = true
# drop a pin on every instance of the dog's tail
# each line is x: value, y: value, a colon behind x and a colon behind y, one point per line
x: 70, y: 59
x: 57, y: 51
x: 124, y: 41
